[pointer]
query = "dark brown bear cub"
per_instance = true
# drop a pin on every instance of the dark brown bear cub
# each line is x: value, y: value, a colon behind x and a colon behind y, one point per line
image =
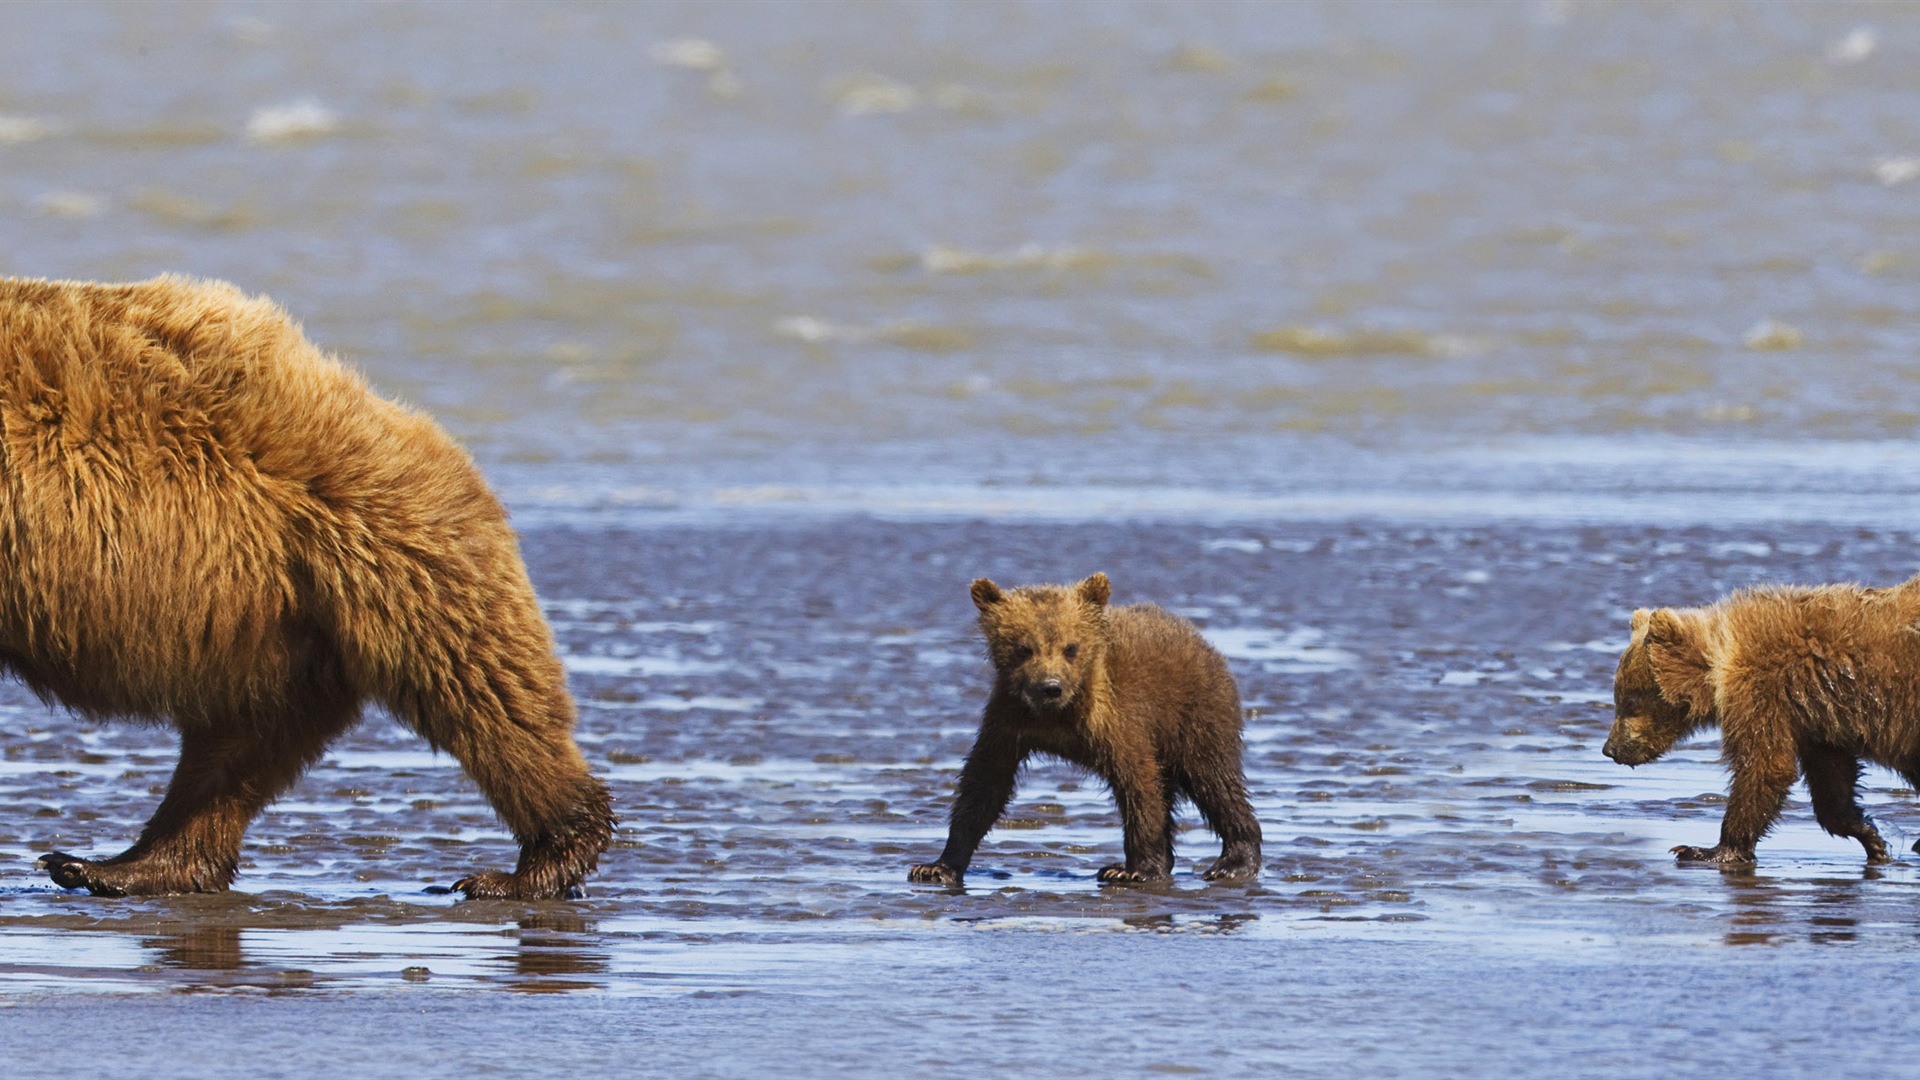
x: 1133, y: 694
x: 1801, y: 682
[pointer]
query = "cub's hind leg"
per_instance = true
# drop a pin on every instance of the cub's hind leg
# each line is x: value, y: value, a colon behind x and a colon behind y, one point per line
x: 1222, y: 801
x: 1833, y: 779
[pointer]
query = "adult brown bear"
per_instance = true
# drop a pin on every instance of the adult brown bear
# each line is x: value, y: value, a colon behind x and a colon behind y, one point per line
x: 205, y: 520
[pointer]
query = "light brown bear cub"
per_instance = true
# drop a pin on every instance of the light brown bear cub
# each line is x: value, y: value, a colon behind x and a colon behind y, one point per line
x: 205, y: 520
x: 1132, y: 694
x: 1801, y: 681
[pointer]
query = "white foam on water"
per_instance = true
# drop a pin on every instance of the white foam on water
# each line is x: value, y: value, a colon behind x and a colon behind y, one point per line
x: 1300, y: 649
x: 273, y: 124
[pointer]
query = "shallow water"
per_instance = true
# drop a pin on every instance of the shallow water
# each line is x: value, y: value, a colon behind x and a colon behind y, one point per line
x: 780, y: 710
x: 1405, y: 348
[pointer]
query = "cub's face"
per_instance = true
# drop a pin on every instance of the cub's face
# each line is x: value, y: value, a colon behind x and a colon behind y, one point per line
x: 1649, y: 717
x: 1044, y: 639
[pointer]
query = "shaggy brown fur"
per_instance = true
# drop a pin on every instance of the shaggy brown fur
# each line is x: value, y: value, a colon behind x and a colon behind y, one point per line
x: 206, y: 521
x: 1801, y: 681
x: 1133, y: 694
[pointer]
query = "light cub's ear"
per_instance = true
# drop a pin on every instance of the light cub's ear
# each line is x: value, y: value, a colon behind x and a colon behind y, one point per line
x: 1640, y: 618
x: 1094, y: 590
x: 986, y: 594
x: 1679, y: 663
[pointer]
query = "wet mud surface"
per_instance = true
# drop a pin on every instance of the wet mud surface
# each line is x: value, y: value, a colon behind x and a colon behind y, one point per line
x: 781, y: 710
x: 1400, y: 346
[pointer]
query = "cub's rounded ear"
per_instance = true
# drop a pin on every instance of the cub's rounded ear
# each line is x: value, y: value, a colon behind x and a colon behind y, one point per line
x: 1095, y: 590
x: 1663, y: 627
x: 1680, y: 666
x: 1640, y: 618
x: 986, y: 594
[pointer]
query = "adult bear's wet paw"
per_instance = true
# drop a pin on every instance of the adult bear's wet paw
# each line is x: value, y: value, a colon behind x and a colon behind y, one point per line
x: 1718, y: 855
x: 73, y: 872
x: 494, y: 885
x: 67, y: 871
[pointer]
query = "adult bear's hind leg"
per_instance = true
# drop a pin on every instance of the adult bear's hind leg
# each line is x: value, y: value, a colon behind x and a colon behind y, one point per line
x: 226, y: 775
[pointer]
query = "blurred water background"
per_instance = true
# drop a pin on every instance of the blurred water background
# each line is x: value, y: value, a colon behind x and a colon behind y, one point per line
x: 1406, y: 347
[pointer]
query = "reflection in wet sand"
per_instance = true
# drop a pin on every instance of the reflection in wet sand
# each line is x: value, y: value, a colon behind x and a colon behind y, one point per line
x: 1406, y: 348
x: 214, y: 948
x: 557, y: 952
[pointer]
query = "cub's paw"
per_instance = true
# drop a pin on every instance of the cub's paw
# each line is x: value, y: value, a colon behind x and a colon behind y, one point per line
x: 935, y: 874
x: 1717, y: 855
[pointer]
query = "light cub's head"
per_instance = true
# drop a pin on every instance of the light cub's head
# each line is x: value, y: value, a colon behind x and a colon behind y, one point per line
x: 1044, y: 639
x: 1662, y: 691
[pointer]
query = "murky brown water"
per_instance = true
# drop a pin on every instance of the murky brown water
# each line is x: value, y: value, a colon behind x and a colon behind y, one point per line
x: 1406, y: 348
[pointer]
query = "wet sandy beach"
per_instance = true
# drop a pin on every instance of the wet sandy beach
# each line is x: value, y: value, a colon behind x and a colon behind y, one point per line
x: 1406, y: 348
x: 1456, y: 879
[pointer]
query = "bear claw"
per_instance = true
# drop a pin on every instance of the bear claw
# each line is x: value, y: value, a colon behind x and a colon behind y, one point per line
x: 935, y: 874
x: 73, y: 872
x: 1223, y: 870
x: 1716, y: 855
x: 1122, y: 875
x: 67, y: 871
x: 493, y: 885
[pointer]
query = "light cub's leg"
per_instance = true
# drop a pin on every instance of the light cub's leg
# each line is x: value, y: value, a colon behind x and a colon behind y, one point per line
x: 1763, y: 774
x: 1222, y: 801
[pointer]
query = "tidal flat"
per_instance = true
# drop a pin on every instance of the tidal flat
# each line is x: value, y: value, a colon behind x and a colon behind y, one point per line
x: 1405, y: 348
x: 1455, y: 879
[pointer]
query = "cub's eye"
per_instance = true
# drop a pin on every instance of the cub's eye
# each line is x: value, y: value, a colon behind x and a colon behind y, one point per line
x: 1021, y: 654
x: 1070, y: 651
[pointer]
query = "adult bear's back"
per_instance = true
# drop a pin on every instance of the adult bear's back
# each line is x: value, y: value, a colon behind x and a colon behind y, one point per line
x: 191, y: 494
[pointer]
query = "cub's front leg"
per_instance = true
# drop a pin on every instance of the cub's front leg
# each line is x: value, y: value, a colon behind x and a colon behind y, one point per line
x: 1759, y: 790
x: 986, y: 785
